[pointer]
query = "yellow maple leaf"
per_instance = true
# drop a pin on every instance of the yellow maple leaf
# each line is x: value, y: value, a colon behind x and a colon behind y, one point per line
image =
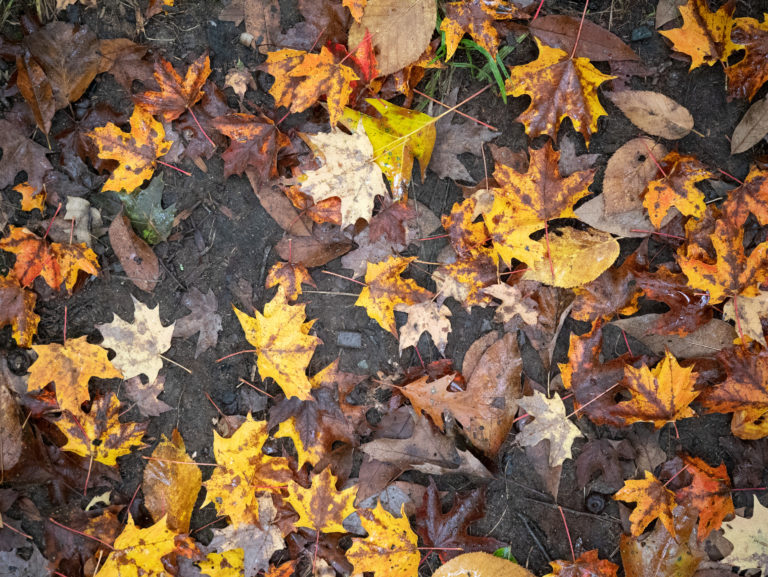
x: 476, y: 17
x: 100, y: 435
x: 282, y: 343
x: 226, y: 564
x: 653, y: 500
x: 659, y: 396
x: 244, y: 471
x: 290, y: 276
x: 705, y: 35
x: 136, y: 151
x: 301, y: 78
x: 139, y: 552
x: 356, y: 7
x: 322, y: 507
x: 676, y: 188
x: 31, y: 197
x: 385, y: 288
x: 18, y: 310
x: 391, y: 547
x: 70, y: 366
x: 559, y: 86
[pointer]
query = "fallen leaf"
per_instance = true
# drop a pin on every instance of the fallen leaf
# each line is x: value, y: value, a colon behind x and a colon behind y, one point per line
x: 570, y: 162
x: 136, y: 257
x: 70, y: 366
x: 282, y: 343
x: 171, y: 483
x: 594, y: 42
x: 203, y: 319
x: 11, y: 446
x: 400, y: 32
x: 709, y: 493
x: 654, y: 113
x: 631, y: 224
x: 21, y: 153
x: 124, y: 60
x: 549, y: 423
x: 137, y: 551
x: 17, y: 308
x: 677, y: 188
x: 31, y: 199
x: 239, y: 79
x: 425, y: 317
x: 513, y: 304
x: 385, y: 289
x: 254, y: 142
x: 476, y: 18
x: 604, y: 456
x: 654, y: 501
x: 746, y: 76
x: 145, y: 209
x: 99, y: 435
x: 137, y: 151
x: 322, y: 506
x: 752, y: 127
x: 587, y: 565
x: 628, y: 172
x: 748, y: 316
x: 748, y: 537
x: 289, y: 276
x: 36, y: 89
x: 480, y: 564
x: 559, y: 87
x: 705, y: 35
x: 751, y: 197
x: 390, y: 549
x: 262, y: 19
x: 145, y: 395
x: 139, y: 345
x: 176, y: 94
x: 348, y: 172
x: 667, y: 10
x: 226, y: 564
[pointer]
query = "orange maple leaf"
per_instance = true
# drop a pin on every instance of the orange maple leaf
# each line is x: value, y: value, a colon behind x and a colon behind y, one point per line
x: 659, y: 396
x: 391, y: 547
x: 136, y: 151
x: 17, y: 308
x: 301, y: 78
x: 385, y: 288
x: 676, y: 188
x: 587, y: 565
x: 31, y: 197
x: 70, y: 366
x: 705, y: 35
x: 709, y: 493
x: 559, y: 86
x: 749, y: 74
x: 290, y: 276
x: 476, y: 18
x: 176, y: 94
x: 732, y: 273
x: 322, y: 507
x: 653, y: 500
x: 750, y: 197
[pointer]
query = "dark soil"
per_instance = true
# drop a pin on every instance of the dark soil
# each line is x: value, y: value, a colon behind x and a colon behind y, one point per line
x: 228, y: 241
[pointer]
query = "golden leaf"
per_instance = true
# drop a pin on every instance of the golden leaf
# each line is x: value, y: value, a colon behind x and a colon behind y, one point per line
x: 653, y: 500
x: 139, y: 552
x: 322, y: 507
x: 677, y: 188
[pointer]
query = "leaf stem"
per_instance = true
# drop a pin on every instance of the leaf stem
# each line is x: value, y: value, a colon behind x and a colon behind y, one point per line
x: 460, y: 113
x: 176, y: 168
x: 567, y: 533
x: 194, y: 117
x: 573, y: 53
x: 86, y: 535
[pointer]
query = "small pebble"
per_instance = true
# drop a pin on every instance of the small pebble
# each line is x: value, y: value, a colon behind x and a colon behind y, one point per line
x: 363, y: 365
x: 641, y: 33
x: 349, y: 340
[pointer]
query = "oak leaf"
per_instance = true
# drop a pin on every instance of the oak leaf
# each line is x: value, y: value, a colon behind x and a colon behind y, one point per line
x: 677, y: 188
x: 176, y: 94
x: 203, y: 319
x: 524, y: 202
x: 705, y: 35
x: 171, y: 482
x: 385, y: 289
x: 654, y: 501
x: 254, y: 142
x: 659, y: 396
x: 746, y: 76
x: 136, y: 151
x: 322, y: 507
x: 348, y: 172
x: 70, y: 366
x: 549, y: 423
x: 99, y: 434
x: 17, y: 308
x: 398, y: 136
x: 425, y: 317
x: 244, y: 470
x: 475, y: 18
x: 290, y: 276
x: 709, y: 493
x: 391, y: 547
x: 749, y: 537
x: 140, y: 551
x: 139, y: 345
x: 587, y: 565
x: 559, y: 87
x: 282, y: 343
x: 301, y: 78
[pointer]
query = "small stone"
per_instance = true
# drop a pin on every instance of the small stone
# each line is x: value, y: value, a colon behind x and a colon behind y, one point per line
x: 363, y: 365
x: 349, y: 340
x: 641, y: 33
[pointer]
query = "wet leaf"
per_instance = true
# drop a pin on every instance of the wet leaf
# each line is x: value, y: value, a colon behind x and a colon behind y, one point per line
x: 654, y: 113
x: 203, y: 319
x: 746, y: 76
x: 709, y: 493
x: 595, y: 42
x: 289, y: 276
x: 136, y: 257
x: 654, y: 501
x: 677, y: 187
x: 748, y: 315
x: 549, y: 423
x: 17, y: 308
x: 322, y: 506
x: 629, y: 171
x: 513, y: 304
x: 480, y: 565
x: 10, y: 430
x: 751, y: 197
x: 176, y: 94
x: 145, y: 209
x: 254, y: 142
x: 21, y: 153
x: 587, y: 565
x: 262, y: 19
x: 145, y: 395
x: 752, y: 127
x: 476, y: 18
x: 138, y: 551
x: 36, y: 89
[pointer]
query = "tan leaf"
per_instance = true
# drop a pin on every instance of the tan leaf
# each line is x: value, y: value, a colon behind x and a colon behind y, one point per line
x: 629, y: 171
x: 425, y: 317
x: 481, y: 565
x: 747, y: 313
x: 654, y: 113
x: 752, y: 127
x: 512, y: 304
x: 749, y: 538
x: 10, y: 430
x: 136, y: 256
x: 549, y: 423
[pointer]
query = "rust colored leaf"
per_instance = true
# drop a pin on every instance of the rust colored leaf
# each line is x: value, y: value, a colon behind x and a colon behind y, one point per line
x: 322, y: 507
x: 476, y: 18
x: 659, y: 396
x: 709, y: 493
x: 751, y: 197
x: 36, y: 90
x: 135, y: 151
x: 136, y: 256
x: 385, y: 288
x: 613, y: 293
x: 654, y: 501
x: 559, y: 87
x: 391, y: 223
x: 176, y: 94
x: 587, y: 565
x: 70, y: 366
x: 17, y: 308
x: 677, y: 188
x: 290, y: 276
x: 254, y: 142
x: 705, y: 35
x: 595, y: 42
x: 747, y: 76
x: 100, y: 435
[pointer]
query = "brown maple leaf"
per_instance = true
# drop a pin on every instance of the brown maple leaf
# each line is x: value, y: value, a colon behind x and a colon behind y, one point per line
x: 203, y: 319
x: 21, y: 153
x: 653, y: 500
x: 588, y: 564
x: 176, y: 94
x: 254, y: 142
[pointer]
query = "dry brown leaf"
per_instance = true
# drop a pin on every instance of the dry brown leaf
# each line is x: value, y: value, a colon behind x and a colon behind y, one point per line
x: 10, y: 430
x: 262, y: 20
x: 629, y: 171
x: 513, y: 304
x: 145, y: 396
x: 752, y: 128
x: 748, y: 317
x: 654, y: 113
x: 594, y: 42
x: 202, y: 319
x: 136, y: 257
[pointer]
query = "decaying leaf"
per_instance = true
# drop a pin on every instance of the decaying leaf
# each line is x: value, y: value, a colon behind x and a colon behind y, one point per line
x: 476, y: 19
x: 709, y: 493
x: 587, y: 565
x: 749, y: 538
x: 139, y: 345
x: 145, y: 395
x: 654, y: 501
x: 549, y: 423
x: 513, y: 304
x: 254, y: 142
x: 17, y: 308
x: 282, y: 343
x: 136, y: 257
x: 262, y: 19
x: 145, y: 209
x: 10, y: 430
x: 176, y: 94
x: 628, y: 172
x: 594, y: 42
x: 290, y: 276
x: 746, y: 76
x: 425, y: 317
x: 322, y: 506
x: 676, y: 188
x: 203, y: 319
x: 21, y: 153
